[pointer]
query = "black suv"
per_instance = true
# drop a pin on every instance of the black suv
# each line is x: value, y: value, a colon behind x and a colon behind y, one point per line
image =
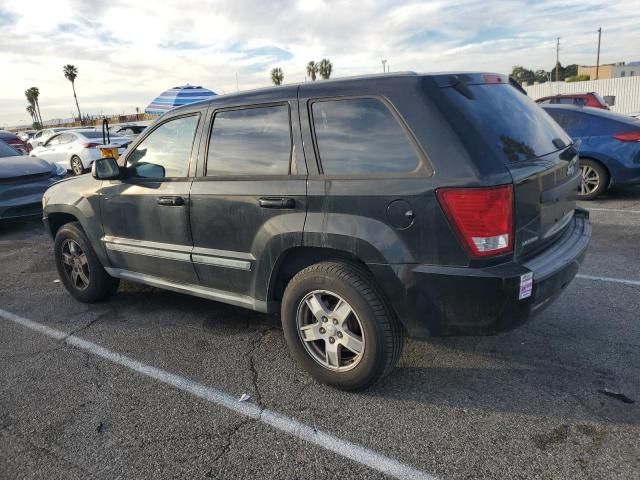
x: 362, y: 209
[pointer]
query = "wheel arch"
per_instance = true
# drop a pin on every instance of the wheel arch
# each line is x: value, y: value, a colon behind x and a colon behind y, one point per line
x: 295, y: 259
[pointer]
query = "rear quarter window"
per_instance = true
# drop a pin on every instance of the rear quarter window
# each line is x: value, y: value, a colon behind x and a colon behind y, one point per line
x: 360, y: 136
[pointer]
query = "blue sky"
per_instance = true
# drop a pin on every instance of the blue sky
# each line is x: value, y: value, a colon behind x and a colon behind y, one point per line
x: 128, y: 52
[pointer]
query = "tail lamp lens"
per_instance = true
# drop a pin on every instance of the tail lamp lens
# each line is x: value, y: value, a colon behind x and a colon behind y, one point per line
x: 628, y: 136
x: 482, y: 217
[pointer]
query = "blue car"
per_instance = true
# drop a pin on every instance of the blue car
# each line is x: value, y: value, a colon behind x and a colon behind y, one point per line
x: 609, y: 149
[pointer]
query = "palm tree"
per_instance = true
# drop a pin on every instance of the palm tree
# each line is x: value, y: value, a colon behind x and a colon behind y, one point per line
x: 312, y: 69
x: 277, y: 76
x: 71, y: 73
x: 32, y: 111
x: 325, y: 67
x: 32, y: 95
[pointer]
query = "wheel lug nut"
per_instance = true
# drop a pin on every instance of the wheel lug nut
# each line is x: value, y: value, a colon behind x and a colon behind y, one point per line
x: 322, y: 330
x: 325, y: 319
x: 339, y: 334
x: 332, y: 340
x: 335, y: 321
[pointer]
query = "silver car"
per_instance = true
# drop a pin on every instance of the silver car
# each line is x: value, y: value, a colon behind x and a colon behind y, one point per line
x: 76, y: 150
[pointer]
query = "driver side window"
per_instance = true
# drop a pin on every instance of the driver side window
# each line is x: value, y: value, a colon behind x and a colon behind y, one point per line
x: 165, y: 153
x: 53, y: 141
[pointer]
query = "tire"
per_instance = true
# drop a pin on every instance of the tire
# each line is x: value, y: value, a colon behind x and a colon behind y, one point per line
x: 595, y: 179
x: 371, y: 320
x: 76, y: 165
x: 74, y: 252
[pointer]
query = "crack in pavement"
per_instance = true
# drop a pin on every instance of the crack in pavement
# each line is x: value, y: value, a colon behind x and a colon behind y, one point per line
x: 262, y: 334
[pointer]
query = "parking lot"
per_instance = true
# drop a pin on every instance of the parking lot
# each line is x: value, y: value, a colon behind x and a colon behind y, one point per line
x: 151, y: 389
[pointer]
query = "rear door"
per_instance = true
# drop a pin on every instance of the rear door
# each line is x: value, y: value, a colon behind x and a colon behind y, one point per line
x: 501, y: 125
x: 248, y: 203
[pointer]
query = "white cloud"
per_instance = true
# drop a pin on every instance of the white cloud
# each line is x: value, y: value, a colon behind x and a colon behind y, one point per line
x: 128, y: 52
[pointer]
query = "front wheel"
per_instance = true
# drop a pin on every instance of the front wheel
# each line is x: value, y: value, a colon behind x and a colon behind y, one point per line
x: 595, y: 179
x: 339, y: 327
x: 79, y: 268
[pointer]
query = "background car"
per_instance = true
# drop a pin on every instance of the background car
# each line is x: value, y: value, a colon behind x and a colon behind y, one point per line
x: 25, y: 135
x: 76, y: 150
x: 591, y: 99
x: 15, y: 141
x: 23, y: 181
x: 609, y: 147
x: 42, y: 136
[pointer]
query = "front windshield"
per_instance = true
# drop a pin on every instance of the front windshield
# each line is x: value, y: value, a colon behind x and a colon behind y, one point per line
x: 7, y: 151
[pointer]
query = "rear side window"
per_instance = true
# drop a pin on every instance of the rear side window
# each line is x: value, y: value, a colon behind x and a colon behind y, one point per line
x: 251, y: 141
x: 361, y: 136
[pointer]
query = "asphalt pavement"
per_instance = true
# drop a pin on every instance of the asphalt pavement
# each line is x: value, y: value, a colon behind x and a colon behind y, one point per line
x: 146, y: 384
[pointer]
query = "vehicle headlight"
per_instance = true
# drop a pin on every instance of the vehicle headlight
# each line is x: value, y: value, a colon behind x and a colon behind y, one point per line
x: 60, y: 170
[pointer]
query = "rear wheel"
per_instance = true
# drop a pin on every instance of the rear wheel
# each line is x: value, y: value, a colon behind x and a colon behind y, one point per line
x: 339, y: 327
x: 79, y: 268
x: 595, y: 179
x: 76, y: 165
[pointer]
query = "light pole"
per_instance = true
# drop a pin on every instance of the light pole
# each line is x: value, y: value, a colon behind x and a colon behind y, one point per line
x: 557, y: 57
x: 598, y: 57
x: 384, y: 69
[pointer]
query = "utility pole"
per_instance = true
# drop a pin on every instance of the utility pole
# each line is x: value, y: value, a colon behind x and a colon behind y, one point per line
x: 598, y: 57
x: 557, y: 58
x: 384, y: 68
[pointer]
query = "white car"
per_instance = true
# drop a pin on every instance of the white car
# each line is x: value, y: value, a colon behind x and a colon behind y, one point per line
x: 76, y: 150
x: 42, y: 136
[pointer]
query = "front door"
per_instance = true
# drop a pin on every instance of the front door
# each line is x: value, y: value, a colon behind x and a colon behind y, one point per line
x: 249, y: 202
x: 145, y: 216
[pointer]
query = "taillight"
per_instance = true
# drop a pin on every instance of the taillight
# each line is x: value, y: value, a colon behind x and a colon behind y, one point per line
x: 482, y: 217
x: 628, y: 136
x: 90, y: 145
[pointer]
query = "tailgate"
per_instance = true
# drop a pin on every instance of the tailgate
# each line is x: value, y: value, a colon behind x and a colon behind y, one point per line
x: 545, y: 199
x: 503, y: 127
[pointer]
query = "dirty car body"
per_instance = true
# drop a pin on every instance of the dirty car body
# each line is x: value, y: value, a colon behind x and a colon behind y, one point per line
x: 377, y: 172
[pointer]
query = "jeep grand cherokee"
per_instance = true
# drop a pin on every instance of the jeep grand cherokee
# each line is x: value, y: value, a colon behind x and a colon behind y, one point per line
x: 361, y: 209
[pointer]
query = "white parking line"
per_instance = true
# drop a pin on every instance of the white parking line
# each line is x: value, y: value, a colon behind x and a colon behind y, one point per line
x: 291, y: 426
x: 617, y: 210
x: 609, y: 279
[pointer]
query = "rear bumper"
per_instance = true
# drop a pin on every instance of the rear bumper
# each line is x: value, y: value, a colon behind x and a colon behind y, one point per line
x: 436, y: 301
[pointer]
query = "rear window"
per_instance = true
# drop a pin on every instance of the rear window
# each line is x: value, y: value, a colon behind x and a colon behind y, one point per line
x: 512, y: 125
x: 91, y: 134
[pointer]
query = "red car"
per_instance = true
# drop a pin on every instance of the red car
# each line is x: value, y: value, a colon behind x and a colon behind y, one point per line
x: 590, y: 99
x: 15, y: 141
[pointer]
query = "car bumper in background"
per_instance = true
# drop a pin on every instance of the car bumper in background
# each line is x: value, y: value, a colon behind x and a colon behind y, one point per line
x: 435, y: 301
x: 23, y: 200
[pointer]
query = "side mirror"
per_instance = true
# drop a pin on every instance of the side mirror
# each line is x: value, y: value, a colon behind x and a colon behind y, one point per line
x: 106, y: 169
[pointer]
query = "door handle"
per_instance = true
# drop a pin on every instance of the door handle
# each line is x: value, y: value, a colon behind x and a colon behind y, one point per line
x: 277, y: 202
x: 172, y: 201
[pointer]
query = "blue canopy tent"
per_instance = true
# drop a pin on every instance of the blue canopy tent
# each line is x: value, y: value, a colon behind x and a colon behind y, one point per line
x: 178, y: 96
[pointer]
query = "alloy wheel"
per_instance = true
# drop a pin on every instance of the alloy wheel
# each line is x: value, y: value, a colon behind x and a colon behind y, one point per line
x: 590, y: 180
x: 76, y: 166
x: 76, y: 264
x: 330, y: 330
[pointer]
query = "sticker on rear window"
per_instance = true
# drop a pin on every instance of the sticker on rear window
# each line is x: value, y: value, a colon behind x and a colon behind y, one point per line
x: 526, y: 285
